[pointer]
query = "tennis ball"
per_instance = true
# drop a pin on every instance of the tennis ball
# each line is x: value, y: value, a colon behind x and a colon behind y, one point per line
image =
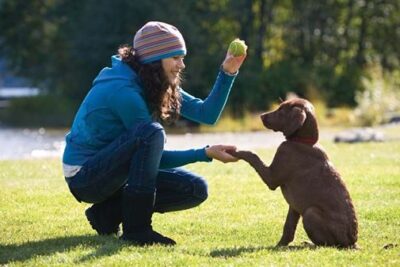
x: 237, y: 48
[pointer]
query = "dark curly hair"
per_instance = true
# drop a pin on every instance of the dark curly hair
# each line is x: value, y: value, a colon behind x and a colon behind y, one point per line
x: 163, y: 98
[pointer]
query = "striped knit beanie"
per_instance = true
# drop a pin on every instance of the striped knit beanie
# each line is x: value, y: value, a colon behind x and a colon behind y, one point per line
x: 158, y: 40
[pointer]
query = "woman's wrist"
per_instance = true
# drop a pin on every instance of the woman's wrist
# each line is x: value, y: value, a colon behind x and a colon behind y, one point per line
x: 227, y: 72
x: 207, y: 154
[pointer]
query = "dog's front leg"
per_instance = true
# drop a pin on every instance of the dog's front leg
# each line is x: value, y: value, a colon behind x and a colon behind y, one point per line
x: 263, y: 170
x: 289, y: 229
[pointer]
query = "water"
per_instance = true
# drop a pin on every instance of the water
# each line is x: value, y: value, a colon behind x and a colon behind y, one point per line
x: 30, y: 143
x: 41, y: 143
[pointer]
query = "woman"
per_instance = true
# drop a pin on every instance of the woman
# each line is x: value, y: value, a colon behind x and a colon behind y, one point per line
x: 114, y: 155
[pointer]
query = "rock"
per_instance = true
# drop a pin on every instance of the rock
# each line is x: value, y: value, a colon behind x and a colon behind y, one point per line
x: 359, y: 135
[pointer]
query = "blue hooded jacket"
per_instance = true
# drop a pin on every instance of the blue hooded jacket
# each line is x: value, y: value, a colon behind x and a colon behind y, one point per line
x: 116, y: 103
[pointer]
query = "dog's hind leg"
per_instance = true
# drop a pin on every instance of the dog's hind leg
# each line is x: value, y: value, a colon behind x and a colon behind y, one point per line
x: 344, y: 238
x: 289, y: 229
x: 317, y: 227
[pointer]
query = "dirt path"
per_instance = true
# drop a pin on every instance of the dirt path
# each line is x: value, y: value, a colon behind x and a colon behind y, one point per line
x: 247, y: 140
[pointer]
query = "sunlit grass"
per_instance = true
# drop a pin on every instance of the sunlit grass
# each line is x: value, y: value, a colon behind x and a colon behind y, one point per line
x: 41, y: 224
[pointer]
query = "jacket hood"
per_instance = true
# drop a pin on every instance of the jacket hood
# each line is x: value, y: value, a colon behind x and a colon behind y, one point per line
x: 118, y: 71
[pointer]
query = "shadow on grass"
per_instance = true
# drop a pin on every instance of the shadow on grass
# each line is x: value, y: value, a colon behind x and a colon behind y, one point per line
x: 237, y: 251
x: 103, y: 246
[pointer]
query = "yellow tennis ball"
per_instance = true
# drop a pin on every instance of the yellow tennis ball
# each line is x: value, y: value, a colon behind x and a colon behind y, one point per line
x: 237, y: 48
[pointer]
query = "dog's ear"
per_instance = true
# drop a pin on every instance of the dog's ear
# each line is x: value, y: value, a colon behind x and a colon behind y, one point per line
x: 296, y: 119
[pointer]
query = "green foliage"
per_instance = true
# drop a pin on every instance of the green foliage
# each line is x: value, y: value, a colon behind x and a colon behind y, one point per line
x: 293, y: 45
x: 344, y: 86
x: 380, y: 97
x: 46, y: 110
x: 43, y: 225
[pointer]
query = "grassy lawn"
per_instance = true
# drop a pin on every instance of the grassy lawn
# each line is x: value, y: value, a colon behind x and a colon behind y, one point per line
x: 41, y: 224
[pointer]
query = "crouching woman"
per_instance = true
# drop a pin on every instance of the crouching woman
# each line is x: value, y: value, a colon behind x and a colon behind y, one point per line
x: 114, y: 155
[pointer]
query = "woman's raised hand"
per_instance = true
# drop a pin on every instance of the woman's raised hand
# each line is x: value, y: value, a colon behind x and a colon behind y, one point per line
x: 231, y: 63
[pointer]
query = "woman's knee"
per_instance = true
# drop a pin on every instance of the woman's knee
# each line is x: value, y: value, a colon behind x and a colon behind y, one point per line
x: 153, y: 130
x: 200, y: 189
x: 150, y: 131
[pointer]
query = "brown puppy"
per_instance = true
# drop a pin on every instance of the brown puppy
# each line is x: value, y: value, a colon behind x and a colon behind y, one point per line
x: 309, y: 182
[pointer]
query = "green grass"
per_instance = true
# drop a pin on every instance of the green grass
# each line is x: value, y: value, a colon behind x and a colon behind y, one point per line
x: 41, y: 224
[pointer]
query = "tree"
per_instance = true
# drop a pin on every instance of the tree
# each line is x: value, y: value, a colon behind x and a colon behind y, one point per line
x: 60, y: 45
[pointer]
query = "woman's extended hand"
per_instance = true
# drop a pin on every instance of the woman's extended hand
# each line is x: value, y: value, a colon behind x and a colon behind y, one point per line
x: 218, y: 152
x: 231, y: 63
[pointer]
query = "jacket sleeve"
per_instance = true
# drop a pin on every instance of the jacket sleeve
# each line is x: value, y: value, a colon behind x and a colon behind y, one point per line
x: 177, y: 158
x: 208, y: 111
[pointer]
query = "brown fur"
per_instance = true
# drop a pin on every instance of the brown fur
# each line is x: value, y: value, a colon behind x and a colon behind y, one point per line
x: 310, y: 184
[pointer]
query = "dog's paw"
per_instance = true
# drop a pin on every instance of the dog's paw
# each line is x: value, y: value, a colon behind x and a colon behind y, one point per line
x: 240, y: 154
x: 234, y: 153
x: 307, y: 244
x: 282, y: 243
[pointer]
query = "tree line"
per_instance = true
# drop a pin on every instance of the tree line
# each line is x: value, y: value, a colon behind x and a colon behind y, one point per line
x: 294, y: 46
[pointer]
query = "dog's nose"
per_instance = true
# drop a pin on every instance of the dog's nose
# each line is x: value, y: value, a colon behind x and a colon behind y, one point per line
x: 266, y: 120
x: 263, y: 116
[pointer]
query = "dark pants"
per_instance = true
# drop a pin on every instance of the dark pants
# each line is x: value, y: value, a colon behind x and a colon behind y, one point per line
x: 131, y: 162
